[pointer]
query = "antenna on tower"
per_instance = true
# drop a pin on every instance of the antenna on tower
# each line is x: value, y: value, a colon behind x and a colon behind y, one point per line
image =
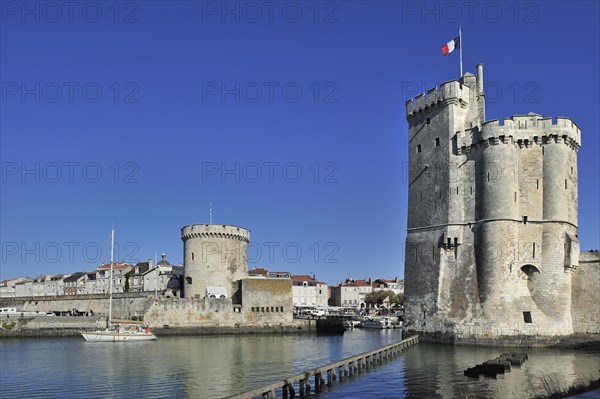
x: 210, y: 214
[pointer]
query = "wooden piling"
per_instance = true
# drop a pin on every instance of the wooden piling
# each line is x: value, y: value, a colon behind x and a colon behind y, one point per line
x: 345, y: 367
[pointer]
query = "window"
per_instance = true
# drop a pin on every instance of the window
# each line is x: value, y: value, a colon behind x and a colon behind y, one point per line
x: 192, y: 256
x: 188, y: 280
x: 428, y: 121
x: 437, y: 141
x: 565, y: 184
x: 524, y: 219
x: 418, y: 148
x: 527, y: 317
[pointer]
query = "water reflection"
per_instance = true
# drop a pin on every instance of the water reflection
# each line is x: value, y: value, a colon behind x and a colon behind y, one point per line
x: 217, y: 366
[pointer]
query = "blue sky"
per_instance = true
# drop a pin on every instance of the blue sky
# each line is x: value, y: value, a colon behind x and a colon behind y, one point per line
x: 288, y: 116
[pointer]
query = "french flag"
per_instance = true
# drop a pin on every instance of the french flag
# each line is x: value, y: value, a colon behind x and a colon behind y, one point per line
x: 451, y: 45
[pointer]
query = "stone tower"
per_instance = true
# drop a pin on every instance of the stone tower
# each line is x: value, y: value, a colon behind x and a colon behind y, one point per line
x: 492, y: 216
x: 214, y: 256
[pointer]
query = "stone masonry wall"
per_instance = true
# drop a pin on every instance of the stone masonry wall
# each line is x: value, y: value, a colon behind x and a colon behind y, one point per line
x: 586, y: 294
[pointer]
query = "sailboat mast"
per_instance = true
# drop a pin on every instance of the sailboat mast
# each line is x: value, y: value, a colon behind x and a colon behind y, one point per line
x: 110, y: 283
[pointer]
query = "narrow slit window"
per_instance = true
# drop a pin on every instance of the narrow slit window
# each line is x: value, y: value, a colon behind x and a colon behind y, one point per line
x: 456, y: 190
x: 437, y: 143
x: 533, y: 250
x: 527, y: 317
x: 418, y: 148
x: 515, y: 196
x: 192, y: 256
x: 566, y: 184
x: 524, y: 219
x: 537, y: 184
x: 488, y: 176
x: 428, y: 121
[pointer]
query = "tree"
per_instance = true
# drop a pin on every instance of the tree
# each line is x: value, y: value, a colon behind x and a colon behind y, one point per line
x: 126, y: 288
x: 377, y: 297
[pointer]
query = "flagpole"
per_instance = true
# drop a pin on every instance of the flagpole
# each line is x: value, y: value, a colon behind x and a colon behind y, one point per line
x: 460, y: 48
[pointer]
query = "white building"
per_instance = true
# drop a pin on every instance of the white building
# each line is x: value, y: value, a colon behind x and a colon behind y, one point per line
x: 120, y: 269
x: 396, y: 285
x: 7, y: 287
x: 24, y: 288
x: 351, y: 293
x: 157, y: 278
x: 307, y: 291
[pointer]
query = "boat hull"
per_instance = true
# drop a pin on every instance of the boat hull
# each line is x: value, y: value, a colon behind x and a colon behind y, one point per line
x: 109, y: 336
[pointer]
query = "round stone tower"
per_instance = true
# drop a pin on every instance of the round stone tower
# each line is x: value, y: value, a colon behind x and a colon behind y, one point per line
x: 214, y: 256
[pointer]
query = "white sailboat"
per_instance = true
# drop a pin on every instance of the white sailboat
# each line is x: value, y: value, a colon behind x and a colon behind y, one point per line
x: 118, y: 330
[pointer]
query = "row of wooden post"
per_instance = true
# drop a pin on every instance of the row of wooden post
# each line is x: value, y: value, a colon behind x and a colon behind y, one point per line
x: 338, y: 370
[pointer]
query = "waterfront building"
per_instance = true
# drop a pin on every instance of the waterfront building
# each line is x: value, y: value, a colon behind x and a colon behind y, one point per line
x: 24, y: 288
x: 90, y: 283
x: 307, y: 291
x: 7, y: 287
x: 351, y: 293
x: 136, y: 279
x: 75, y: 283
x: 396, y: 285
x: 120, y: 269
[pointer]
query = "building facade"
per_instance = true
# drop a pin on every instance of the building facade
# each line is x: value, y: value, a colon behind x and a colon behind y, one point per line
x: 307, y: 291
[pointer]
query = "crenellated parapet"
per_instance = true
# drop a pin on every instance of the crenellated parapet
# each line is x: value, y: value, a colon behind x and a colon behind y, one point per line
x: 452, y: 91
x: 524, y: 131
x: 215, y: 231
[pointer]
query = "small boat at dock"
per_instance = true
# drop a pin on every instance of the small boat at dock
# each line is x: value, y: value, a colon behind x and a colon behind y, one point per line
x: 379, y: 323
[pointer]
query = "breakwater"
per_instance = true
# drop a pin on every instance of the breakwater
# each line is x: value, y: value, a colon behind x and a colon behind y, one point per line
x: 341, y: 369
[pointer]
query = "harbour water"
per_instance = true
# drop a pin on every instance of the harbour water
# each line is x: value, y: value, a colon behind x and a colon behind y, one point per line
x: 217, y: 366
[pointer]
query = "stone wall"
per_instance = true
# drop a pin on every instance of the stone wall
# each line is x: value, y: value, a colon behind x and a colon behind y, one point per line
x: 125, y: 305
x: 586, y: 294
x: 265, y: 302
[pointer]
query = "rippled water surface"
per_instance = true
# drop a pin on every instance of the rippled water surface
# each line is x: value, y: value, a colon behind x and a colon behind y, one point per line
x: 217, y: 366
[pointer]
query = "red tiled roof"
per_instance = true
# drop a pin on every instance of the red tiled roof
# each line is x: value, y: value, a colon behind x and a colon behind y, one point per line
x: 116, y: 265
x: 302, y: 277
x: 356, y: 283
x: 258, y: 270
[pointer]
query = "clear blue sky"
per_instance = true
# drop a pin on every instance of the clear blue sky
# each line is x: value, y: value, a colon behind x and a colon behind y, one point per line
x: 168, y: 121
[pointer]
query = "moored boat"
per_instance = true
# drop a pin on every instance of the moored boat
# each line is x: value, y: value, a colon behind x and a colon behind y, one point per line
x: 118, y: 330
x: 379, y: 323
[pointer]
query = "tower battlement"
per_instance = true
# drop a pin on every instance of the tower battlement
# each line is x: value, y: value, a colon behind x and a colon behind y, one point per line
x: 215, y: 231
x: 448, y: 91
x: 525, y: 130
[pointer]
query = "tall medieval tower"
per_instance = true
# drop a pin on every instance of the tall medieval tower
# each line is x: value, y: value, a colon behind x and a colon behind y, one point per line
x: 492, y: 216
